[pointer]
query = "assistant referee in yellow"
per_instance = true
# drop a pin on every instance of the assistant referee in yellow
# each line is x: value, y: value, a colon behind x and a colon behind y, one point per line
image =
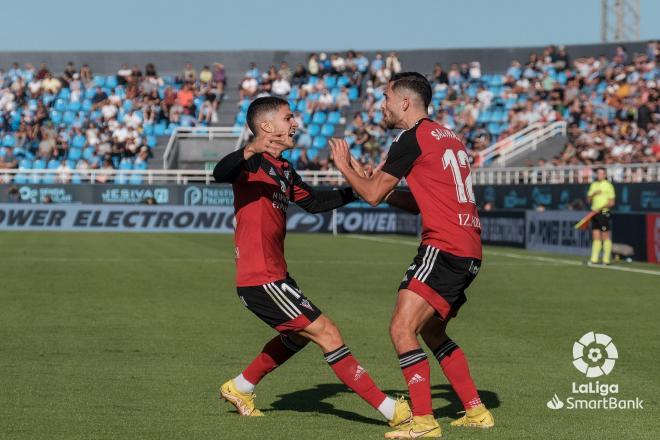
x: 601, y: 196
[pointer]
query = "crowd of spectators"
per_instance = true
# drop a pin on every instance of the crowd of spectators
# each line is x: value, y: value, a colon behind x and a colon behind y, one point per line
x: 610, y: 105
x: 81, y: 120
x: 78, y: 120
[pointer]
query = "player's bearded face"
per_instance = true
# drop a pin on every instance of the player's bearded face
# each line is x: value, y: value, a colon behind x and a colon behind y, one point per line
x: 390, y: 108
x: 285, y: 123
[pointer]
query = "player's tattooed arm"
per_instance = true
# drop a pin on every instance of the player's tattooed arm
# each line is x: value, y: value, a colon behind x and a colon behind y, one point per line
x: 371, y: 189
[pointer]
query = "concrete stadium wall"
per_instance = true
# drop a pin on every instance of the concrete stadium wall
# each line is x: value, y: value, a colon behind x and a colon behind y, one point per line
x: 492, y: 59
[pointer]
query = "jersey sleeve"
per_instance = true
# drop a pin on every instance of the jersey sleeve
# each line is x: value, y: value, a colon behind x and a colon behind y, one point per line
x: 404, y: 151
x: 228, y: 169
x: 592, y: 189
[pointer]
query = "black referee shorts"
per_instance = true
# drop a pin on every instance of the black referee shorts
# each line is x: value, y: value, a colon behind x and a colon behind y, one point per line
x: 601, y: 221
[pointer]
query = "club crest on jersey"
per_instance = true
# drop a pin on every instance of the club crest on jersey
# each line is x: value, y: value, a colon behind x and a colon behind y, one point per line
x: 272, y: 172
x: 287, y: 173
x: 306, y: 304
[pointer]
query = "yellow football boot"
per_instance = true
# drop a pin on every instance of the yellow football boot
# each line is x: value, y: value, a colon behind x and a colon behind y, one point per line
x: 244, y: 402
x: 418, y: 427
x: 402, y: 413
x: 477, y: 417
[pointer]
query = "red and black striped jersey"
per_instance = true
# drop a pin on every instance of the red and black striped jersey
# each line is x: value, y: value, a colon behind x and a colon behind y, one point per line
x: 437, y: 169
x: 263, y: 188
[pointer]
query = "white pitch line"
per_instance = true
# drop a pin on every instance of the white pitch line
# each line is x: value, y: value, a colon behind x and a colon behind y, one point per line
x: 518, y: 256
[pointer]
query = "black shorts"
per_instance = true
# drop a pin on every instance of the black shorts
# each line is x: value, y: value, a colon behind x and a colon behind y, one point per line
x: 441, y: 279
x: 601, y: 221
x: 280, y: 304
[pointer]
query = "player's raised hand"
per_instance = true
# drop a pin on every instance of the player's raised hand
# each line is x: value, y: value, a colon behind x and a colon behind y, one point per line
x: 340, y: 153
x: 272, y: 143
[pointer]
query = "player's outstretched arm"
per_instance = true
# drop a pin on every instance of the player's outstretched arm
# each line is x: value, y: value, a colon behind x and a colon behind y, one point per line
x: 371, y: 189
x: 315, y: 201
x: 403, y: 200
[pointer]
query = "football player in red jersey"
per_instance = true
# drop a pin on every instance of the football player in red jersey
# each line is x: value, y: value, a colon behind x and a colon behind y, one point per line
x: 435, y: 164
x: 264, y: 183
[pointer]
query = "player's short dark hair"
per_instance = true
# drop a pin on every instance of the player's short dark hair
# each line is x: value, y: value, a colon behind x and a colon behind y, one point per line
x: 414, y: 82
x: 260, y: 106
x: 601, y: 168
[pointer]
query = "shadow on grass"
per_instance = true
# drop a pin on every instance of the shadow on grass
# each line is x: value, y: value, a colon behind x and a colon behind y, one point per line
x: 313, y: 400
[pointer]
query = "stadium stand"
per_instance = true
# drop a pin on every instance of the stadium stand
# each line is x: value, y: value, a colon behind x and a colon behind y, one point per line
x: 79, y: 120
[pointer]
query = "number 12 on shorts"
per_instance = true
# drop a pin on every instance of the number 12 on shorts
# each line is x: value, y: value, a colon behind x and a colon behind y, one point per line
x: 456, y: 161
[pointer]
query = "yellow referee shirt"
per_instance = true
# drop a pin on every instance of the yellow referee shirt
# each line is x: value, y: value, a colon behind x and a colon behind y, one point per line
x: 601, y: 192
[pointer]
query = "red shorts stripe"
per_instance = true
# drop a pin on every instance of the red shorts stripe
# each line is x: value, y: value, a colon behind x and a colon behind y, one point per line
x: 432, y: 297
x: 295, y: 325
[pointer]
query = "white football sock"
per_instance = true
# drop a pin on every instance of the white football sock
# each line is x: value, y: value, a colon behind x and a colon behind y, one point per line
x: 387, y: 408
x: 243, y: 385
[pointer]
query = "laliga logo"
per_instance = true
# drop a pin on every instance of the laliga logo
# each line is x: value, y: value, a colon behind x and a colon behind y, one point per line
x: 594, y: 354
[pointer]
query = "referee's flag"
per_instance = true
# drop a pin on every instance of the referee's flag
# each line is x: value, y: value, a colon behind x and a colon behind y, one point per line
x: 584, y: 223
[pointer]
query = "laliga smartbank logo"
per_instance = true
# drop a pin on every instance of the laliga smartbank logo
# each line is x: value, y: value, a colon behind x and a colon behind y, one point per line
x: 594, y: 355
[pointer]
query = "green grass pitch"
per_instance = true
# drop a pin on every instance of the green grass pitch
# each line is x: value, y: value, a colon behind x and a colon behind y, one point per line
x: 128, y: 336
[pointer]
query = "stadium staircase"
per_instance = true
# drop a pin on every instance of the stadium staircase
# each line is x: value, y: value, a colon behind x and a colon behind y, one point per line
x: 537, y: 141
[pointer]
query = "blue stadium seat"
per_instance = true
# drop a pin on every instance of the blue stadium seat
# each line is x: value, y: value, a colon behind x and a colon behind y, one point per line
x: 295, y: 155
x: 320, y: 142
x: 128, y: 105
x: 125, y: 165
x: 111, y: 81
x: 21, y: 179
x: 74, y: 106
x: 79, y: 141
x: 159, y: 129
x: 313, y: 129
x: 25, y: 164
x: 49, y: 179
x: 245, y: 104
x: 330, y: 82
x: 378, y: 117
x: 99, y: 80
x: 140, y: 166
x: 59, y: 105
x: 328, y: 130
x: 343, y: 81
x: 353, y: 93
x: 34, y: 178
x: 305, y: 140
x: 39, y: 164
x: 135, y: 179
x: 357, y: 151
x: 301, y: 106
x: 121, y: 179
x: 64, y: 94
x: 319, y: 118
x: 312, y: 153
x: 312, y: 80
x: 68, y: 117
x: 241, y: 118
x: 307, y: 118
x: 88, y: 153
x: 293, y: 94
x: 148, y: 129
x: 75, y: 153
x: 334, y: 117
x: 76, y: 179
x: 8, y: 140
x: 87, y: 105
x: 151, y: 141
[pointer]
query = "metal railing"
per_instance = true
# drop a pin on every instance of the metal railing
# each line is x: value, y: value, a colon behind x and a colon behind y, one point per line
x: 209, y: 133
x: 524, y: 140
x: 628, y: 173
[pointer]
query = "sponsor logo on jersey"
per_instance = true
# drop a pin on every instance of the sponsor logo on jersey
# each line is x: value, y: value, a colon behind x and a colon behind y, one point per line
x: 272, y: 172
